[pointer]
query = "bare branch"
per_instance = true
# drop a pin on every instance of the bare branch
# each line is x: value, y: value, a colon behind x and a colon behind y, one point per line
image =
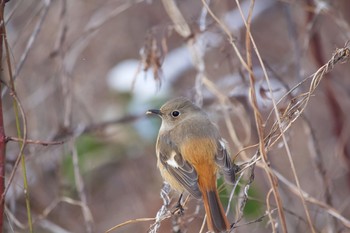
x: 38, y: 142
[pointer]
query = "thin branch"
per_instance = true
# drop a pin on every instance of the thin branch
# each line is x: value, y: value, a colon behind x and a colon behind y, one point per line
x: 19, y: 112
x: 54, y: 204
x: 163, y: 212
x: 38, y: 142
x: 2, y: 128
x: 316, y: 155
x: 81, y: 190
x: 62, y: 32
x: 130, y: 222
x: 330, y: 210
x: 24, y: 123
x: 260, y: 219
x: 259, y: 122
x: 180, y: 24
x: 30, y: 43
x: 46, y: 212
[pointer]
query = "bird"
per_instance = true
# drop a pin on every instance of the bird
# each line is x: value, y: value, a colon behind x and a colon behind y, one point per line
x: 190, y: 152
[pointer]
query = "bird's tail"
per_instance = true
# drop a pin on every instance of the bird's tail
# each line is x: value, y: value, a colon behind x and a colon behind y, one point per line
x: 216, y: 219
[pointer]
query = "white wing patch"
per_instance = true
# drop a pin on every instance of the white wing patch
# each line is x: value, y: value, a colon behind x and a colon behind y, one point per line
x: 171, y: 161
x: 223, y: 143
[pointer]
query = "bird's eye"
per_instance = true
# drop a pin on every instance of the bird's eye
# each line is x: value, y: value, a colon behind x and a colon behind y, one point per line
x: 175, y: 113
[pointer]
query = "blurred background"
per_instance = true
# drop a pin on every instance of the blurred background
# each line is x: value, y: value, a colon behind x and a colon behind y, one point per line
x: 87, y: 70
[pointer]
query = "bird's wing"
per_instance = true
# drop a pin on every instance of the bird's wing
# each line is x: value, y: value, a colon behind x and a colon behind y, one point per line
x: 224, y: 162
x: 178, y: 167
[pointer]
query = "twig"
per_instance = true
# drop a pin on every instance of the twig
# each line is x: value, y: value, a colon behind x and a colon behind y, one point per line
x: 105, y: 124
x: 46, y: 211
x: 222, y: 98
x: 316, y: 155
x: 54, y: 204
x: 163, y: 212
x: 233, y: 192
x: 66, y: 133
x: 130, y: 222
x: 78, y: 45
x: 180, y: 24
x: 19, y: 158
x: 295, y: 109
x: 29, y: 141
x: 18, y: 110
x: 12, y: 218
x: 62, y: 31
x: 2, y: 128
x: 330, y: 210
x: 81, y: 190
x: 314, y: 83
x: 50, y: 226
x: 245, y: 191
x: 298, y: 104
x: 269, y: 212
x: 30, y: 42
x: 203, y: 224
x: 258, y: 120
x: 260, y: 219
x: 225, y: 101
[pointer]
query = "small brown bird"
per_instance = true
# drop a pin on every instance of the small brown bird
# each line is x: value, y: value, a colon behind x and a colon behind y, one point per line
x: 190, y: 152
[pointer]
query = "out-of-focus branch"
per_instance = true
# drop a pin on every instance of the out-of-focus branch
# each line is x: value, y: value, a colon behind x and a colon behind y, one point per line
x: 316, y: 156
x: 29, y: 141
x: 64, y: 134
x: 174, y: 13
x: 2, y: 130
x: 338, y: 115
x: 30, y: 43
x: 81, y: 190
x: 129, y: 222
x: 294, y: 110
x: 41, y: 218
x: 330, y: 210
x: 18, y: 160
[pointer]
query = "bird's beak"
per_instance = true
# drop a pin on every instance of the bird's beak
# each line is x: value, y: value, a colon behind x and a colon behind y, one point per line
x: 154, y: 111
